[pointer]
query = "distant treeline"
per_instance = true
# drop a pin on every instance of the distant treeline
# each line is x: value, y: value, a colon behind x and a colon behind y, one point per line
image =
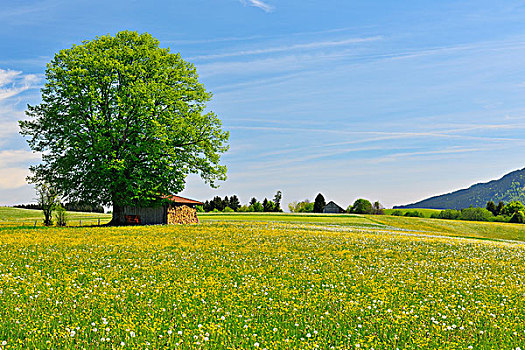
x: 232, y: 204
x: 511, y: 212
x: 360, y: 206
x: 81, y: 207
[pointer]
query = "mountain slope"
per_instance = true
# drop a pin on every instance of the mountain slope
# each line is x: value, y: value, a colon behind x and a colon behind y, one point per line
x: 510, y: 187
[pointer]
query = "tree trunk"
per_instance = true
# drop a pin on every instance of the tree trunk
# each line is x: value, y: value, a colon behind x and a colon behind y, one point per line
x: 117, y: 218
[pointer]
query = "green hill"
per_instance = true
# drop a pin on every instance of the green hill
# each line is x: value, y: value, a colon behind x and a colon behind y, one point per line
x: 510, y: 187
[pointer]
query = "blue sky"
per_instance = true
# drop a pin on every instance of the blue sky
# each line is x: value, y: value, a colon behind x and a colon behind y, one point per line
x: 390, y: 101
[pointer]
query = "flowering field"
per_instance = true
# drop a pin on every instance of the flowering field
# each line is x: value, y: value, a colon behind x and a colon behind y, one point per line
x: 258, y: 285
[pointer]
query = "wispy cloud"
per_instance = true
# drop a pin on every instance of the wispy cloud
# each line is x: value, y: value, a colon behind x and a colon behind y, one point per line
x: 285, y: 48
x: 14, y: 82
x: 259, y: 4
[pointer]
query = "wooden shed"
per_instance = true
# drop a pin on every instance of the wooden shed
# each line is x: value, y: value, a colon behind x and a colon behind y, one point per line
x: 331, y: 207
x: 160, y: 214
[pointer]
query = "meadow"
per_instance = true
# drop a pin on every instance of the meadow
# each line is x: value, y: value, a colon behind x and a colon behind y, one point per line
x: 16, y: 217
x: 234, y: 283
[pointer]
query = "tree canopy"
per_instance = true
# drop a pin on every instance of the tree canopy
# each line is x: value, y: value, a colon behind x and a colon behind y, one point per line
x: 361, y: 206
x: 123, y: 122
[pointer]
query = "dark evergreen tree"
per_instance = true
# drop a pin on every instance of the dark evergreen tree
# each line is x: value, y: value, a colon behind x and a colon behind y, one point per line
x: 226, y: 202
x: 277, y: 200
x: 207, y: 206
x: 499, y: 208
x: 319, y: 203
x: 217, y: 203
x: 268, y: 206
x: 234, y: 202
x: 253, y: 201
x: 492, y: 208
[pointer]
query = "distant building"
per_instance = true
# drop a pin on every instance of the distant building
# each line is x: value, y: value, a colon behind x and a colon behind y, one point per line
x: 156, y: 215
x: 331, y: 207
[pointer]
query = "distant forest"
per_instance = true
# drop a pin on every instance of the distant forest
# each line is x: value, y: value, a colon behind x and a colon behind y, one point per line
x: 80, y: 207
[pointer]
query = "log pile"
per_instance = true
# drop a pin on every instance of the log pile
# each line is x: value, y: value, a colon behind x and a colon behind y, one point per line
x: 182, y: 215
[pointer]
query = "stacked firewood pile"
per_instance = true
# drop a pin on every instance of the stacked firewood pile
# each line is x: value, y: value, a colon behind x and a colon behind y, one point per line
x: 182, y: 215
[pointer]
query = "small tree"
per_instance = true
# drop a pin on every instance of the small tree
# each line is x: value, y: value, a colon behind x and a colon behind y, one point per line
x: 319, y: 203
x: 518, y: 217
x: 378, y: 208
x: 277, y: 200
x: 61, y: 215
x: 257, y: 207
x: 47, y: 199
x: 362, y: 206
x: 513, y: 207
x: 306, y: 207
x: 268, y: 206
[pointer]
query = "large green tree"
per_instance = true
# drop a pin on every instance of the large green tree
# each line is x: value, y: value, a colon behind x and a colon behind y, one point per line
x: 123, y: 122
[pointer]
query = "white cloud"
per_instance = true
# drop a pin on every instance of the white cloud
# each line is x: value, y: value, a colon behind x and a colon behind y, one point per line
x: 14, y: 169
x: 12, y: 157
x: 13, y: 83
x: 11, y: 178
x: 259, y: 4
x: 305, y: 46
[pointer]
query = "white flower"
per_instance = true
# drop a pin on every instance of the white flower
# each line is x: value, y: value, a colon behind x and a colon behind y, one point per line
x: 170, y: 331
x: 275, y: 329
x: 179, y: 332
x: 132, y: 334
x: 72, y: 333
x: 308, y: 335
x: 122, y: 343
x: 256, y: 345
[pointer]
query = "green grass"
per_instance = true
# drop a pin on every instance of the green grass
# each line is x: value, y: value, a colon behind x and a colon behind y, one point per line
x: 27, y: 217
x: 332, y: 219
x: 473, y: 229
x: 13, y: 217
x: 426, y: 212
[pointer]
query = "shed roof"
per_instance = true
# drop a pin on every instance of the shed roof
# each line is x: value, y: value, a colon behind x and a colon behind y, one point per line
x: 182, y: 200
x: 333, y: 203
